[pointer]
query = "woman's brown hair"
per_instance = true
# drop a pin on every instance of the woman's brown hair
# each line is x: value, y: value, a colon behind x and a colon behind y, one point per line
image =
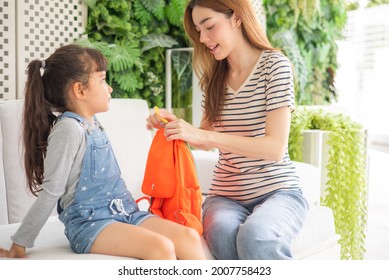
x: 48, y: 84
x: 211, y: 72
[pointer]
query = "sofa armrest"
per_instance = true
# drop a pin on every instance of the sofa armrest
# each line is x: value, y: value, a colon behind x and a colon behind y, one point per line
x: 205, y: 163
x: 310, y: 181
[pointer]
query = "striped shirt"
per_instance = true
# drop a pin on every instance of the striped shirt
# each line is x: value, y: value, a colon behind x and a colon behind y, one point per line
x: 268, y: 87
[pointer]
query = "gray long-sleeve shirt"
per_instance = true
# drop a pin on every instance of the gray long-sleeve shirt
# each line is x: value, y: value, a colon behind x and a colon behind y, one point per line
x: 62, y: 167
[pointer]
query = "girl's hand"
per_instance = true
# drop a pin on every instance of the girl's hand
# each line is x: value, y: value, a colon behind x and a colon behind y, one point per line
x: 159, y: 120
x: 16, y: 251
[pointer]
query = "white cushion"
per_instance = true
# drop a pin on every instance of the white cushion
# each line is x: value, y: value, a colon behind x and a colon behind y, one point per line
x: 18, y: 199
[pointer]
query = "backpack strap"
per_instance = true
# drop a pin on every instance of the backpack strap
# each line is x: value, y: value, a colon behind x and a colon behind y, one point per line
x: 155, y: 206
x: 143, y: 198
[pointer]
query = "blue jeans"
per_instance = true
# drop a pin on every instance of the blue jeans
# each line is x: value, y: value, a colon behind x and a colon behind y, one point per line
x: 262, y: 229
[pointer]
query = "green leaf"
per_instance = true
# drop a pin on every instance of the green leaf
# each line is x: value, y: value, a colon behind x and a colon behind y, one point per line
x: 141, y: 13
x: 123, y: 57
x: 157, y: 40
x: 128, y: 82
x: 181, y: 62
x: 175, y: 12
x: 90, y: 3
x: 156, y: 7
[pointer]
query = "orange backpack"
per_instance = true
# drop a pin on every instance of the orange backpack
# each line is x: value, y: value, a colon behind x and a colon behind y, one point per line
x: 171, y: 182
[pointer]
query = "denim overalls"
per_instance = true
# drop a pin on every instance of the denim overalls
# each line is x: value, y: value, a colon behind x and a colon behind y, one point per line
x: 101, y: 196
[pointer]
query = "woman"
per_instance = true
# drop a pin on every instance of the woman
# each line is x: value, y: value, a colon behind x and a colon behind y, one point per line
x: 255, y: 207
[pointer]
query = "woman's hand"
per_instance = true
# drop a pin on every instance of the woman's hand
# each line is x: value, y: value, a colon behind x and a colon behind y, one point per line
x: 16, y: 251
x: 180, y: 129
x: 156, y: 121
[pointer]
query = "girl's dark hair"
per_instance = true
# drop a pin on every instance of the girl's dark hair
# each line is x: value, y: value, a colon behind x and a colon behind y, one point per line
x: 48, y: 84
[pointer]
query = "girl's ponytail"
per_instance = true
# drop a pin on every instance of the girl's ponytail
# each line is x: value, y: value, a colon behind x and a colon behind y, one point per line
x: 37, y: 120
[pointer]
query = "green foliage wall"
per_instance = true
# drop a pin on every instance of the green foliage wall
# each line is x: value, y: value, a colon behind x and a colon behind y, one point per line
x: 134, y: 35
x: 306, y: 30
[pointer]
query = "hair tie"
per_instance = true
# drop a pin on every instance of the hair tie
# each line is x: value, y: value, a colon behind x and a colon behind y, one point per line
x: 43, y: 67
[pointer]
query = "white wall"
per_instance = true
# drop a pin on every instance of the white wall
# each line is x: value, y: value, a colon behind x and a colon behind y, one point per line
x: 363, y: 73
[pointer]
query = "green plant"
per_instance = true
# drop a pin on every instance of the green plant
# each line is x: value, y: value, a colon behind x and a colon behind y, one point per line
x: 182, y: 84
x: 373, y: 3
x: 351, y: 6
x: 346, y: 187
x: 306, y: 30
x: 134, y: 34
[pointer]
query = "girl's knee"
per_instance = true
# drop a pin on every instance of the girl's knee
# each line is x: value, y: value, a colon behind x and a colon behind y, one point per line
x: 190, y: 235
x: 163, y: 249
x: 193, y: 234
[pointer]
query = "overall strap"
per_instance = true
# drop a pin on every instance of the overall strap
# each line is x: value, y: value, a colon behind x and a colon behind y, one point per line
x: 72, y: 115
x: 80, y: 120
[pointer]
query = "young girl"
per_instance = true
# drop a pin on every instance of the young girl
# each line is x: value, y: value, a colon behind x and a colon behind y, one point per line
x: 70, y: 158
x: 255, y: 207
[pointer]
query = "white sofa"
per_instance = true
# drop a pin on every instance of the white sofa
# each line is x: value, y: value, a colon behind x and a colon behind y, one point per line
x: 125, y: 124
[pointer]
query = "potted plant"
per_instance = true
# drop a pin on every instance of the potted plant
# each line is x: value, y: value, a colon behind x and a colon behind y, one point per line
x: 346, y: 185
